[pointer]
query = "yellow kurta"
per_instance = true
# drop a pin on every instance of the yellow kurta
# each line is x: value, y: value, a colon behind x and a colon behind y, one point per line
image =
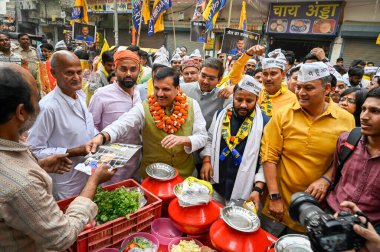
x: 302, y: 149
x: 287, y: 98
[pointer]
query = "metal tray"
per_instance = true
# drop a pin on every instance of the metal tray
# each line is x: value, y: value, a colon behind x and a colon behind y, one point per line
x: 160, y: 171
x: 240, y: 219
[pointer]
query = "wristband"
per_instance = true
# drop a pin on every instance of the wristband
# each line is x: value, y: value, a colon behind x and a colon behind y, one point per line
x: 249, y: 54
x: 104, y: 138
x: 206, y: 161
x: 330, y: 182
x: 259, y: 190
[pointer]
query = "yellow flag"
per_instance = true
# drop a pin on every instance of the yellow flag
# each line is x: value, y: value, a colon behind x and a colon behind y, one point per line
x: 145, y: 11
x: 211, y: 12
x: 378, y: 40
x: 79, y: 12
x: 243, y: 17
x: 105, y: 48
x: 159, y: 24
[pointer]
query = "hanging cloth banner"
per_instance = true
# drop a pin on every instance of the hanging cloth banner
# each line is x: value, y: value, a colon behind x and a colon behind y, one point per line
x: 199, y: 9
x: 140, y: 7
x: 156, y: 22
x: 211, y: 12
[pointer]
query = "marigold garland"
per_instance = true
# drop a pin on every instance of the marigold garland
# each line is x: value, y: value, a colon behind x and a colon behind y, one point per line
x: 172, y: 123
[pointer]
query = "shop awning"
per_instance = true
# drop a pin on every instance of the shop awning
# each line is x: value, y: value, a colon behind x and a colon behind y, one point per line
x: 351, y: 29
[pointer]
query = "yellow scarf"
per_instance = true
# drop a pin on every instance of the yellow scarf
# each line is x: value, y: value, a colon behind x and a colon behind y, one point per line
x: 150, y: 88
x: 266, y: 103
x: 233, y: 141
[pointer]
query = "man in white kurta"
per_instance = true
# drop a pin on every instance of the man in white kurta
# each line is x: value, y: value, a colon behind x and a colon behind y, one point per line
x: 64, y: 124
x: 231, y: 155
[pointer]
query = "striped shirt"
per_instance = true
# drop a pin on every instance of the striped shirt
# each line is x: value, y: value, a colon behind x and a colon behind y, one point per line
x: 30, y: 219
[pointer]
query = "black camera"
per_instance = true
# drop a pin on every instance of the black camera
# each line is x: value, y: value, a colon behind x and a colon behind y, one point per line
x: 326, y: 233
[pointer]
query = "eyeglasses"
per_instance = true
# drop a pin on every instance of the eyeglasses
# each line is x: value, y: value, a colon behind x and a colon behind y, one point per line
x: 349, y: 100
x: 210, y: 78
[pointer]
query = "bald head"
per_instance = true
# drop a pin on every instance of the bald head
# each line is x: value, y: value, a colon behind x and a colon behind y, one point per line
x: 63, y: 58
x: 67, y: 70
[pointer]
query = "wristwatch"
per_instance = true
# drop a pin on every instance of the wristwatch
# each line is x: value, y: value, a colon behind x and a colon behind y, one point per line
x: 325, y: 60
x: 275, y: 196
x: 259, y: 190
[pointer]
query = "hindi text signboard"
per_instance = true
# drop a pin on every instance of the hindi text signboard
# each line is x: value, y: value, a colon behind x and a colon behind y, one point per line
x: 304, y: 18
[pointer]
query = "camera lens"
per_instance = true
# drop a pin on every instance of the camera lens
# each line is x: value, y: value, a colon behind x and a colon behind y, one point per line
x: 303, y: 207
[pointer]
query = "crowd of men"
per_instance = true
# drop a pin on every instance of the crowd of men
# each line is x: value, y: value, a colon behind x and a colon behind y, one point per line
x: 255, y: 125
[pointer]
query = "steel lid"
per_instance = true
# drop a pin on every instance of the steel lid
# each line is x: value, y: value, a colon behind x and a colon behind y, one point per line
x: 160, y: 171
x: 240, y: 219
x: 293, y: 243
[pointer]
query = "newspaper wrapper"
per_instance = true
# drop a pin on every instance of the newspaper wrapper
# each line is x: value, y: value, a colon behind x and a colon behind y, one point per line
x: 193, y: 192
x: 115, y: 155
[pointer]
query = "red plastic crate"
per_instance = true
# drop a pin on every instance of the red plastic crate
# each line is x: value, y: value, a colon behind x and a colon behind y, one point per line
x: 112, y: 233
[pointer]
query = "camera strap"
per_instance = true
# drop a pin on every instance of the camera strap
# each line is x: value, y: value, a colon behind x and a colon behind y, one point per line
x: 348, y: 147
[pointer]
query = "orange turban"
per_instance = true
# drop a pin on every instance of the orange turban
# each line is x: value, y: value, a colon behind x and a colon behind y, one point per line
x: 126, y: 55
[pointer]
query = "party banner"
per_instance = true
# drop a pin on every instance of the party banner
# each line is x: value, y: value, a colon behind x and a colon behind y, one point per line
x: 237, y: 41
x: 198, y: 32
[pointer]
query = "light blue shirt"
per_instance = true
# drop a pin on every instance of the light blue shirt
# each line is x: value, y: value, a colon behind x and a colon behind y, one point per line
x: 63, y: 123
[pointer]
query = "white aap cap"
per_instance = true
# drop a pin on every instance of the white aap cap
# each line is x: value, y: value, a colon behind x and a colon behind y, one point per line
x: 312, y: 71
x: 162, y: 60
x: 252, y: 61
x: 276, y: 59
x: 60, y: 46
x: 250, y: 84
x: 196, y: 53
x: 121, y: 48
x: 370, y: 70
x: 378, y: 72
x: 176, y: 57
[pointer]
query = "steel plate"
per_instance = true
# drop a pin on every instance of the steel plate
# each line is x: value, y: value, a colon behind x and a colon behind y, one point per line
x: 240, y: 219
x: 160, y: 171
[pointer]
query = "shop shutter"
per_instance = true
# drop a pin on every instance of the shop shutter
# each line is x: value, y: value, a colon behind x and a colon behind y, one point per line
x: 365, y: 49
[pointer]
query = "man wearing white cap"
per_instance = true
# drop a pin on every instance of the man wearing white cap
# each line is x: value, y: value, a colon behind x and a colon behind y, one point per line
x: 275, y: 93
x: 175, y: 62
x: 196, y: 56
x: 298, y: 146
x: 231, y: 155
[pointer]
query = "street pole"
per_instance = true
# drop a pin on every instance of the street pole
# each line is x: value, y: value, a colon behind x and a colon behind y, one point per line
x: 175, y: 42
x: 229, y: 14
x: 116, y: 21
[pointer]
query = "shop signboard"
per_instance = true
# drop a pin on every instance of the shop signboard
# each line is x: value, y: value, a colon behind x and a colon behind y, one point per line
x: 107, y: 6
x: 235, y: 41
x: 312, y: 18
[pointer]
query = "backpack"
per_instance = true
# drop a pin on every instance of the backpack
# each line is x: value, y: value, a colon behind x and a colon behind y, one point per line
x: 348, y: 147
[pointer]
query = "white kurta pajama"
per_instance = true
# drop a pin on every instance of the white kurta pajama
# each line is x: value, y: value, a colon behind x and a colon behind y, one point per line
x: 63, y: 123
